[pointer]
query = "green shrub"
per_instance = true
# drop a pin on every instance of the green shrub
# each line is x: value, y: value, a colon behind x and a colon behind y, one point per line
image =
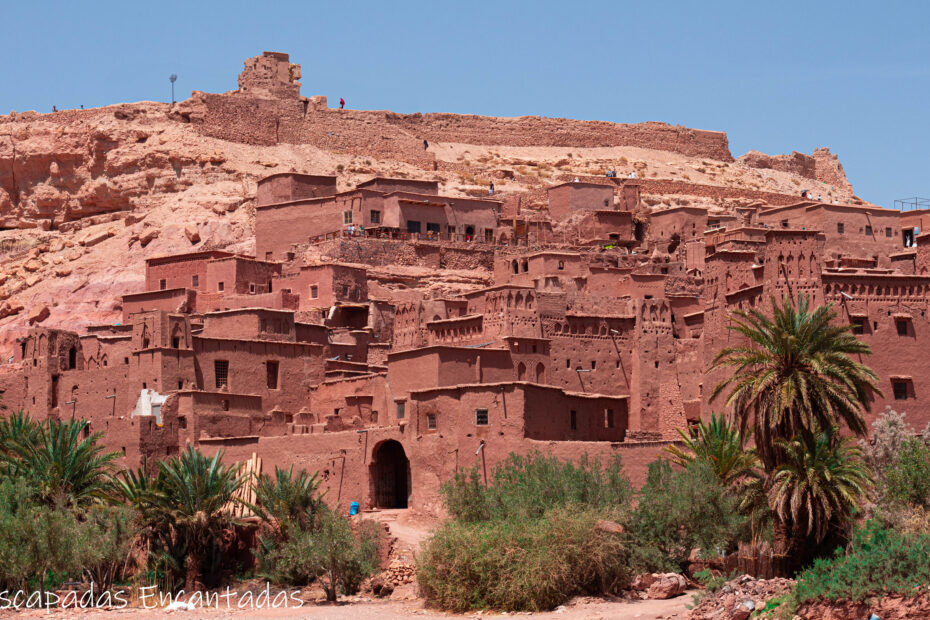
x: 331, y: 553
x: 42, y: 546
x: 525, y: 487
x: 680, y: 510
x: 515, y: 564
x: 878, y: 561
x: 908, y: 475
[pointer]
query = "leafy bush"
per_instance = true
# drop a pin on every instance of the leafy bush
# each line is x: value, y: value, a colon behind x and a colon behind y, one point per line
x: 908, y: 475
x: 889, y: 432
x: 522, y: 565
x: 525, y: 487
x: 680, y: 510
x: 331, y: 552
x: 878, y: 561
x: 42, y: 546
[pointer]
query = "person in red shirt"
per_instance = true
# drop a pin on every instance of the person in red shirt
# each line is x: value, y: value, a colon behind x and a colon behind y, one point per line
x: 342, y: 103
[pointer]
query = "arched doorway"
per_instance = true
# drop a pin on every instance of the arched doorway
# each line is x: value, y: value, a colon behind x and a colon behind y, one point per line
x: 390, y: 476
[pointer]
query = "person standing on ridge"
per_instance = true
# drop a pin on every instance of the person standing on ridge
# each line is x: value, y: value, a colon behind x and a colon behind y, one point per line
x: 491, y: 188
x: 342, y: 103
x: 425, y: 145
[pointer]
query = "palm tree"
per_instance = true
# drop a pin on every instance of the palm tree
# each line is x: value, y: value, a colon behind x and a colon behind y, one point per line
x: 18, y: 428
x: 795, y: 375
x: 720, y: 444
x: 288, y: 500
x: 821, y: 481
x: 194, y: 494
x: 64, y: 467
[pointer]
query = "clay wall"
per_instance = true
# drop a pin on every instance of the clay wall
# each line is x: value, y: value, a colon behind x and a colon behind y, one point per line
x: 279, y: 227
x: 250, y: 324
x: 893, y: 313
x: 290, y: 186
x: 851, y: 231
x: 412, y: 186
x: 665, y: 187
x: 469, y: 218
x: 169, y: 300
x: 569, y: 197
x: 360, y: 402
x: 446, y: 366
x: 179, y: 271
x: 614, y: 227
x: 300, y: 366
x: 254, y: 120
x: 242, y: 276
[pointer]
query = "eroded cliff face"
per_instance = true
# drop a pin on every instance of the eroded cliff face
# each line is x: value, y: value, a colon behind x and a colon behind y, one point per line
x: 87, y: 195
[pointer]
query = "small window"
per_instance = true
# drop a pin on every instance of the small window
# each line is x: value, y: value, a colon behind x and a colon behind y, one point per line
x: 251, y: 288
x: 573, y: 420
x: 221, y: 370
x: 608, y: 418
x: 858, y: 325
x: 220, y: 286
x: 175, y: 342
x: 481, y: 417
x: 413, y: 226
x: 182, y: 422
x: 433, y: 227
x: 888, y: 232
x: 868, y: 231
x: 346, y: 217
x: 488, y: 235
x: 225, y: 404
x: 314, y: 292
x: 430, y: 421
x: 593, y: 365
x: 269, y: 255
x: 180, y: 385
x: 839, y: 227
x: 901, y: 324
x: 568, y: 364
x: 401, y: 409
x: 784, y: 223
x: 162, y: 284
x: 271, y: 370
x: 561, y: 265
x: 900, y: 389
x: 195, y: 281
x: 375, y: 217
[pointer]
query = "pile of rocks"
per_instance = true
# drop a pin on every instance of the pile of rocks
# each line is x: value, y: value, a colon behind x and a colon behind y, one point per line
x: 738, y: 598
x: 397, y: 575
x: 659, y: 585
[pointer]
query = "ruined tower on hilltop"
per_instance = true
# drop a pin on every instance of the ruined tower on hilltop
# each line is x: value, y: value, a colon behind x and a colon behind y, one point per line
x: 270, y: 75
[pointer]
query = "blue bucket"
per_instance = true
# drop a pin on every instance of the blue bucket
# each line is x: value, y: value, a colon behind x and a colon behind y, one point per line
x: 353, y: 508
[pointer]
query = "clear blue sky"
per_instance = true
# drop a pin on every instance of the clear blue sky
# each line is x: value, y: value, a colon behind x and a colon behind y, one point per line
x: 776, y: 76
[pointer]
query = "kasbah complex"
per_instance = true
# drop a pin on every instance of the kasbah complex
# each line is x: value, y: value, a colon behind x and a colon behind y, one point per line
x: 592, y: 303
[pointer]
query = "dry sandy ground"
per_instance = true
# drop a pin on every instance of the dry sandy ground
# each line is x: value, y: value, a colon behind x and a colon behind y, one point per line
x: 363, y: 610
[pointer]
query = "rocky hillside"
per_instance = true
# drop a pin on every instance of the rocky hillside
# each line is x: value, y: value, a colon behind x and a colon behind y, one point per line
x: 87, y: 195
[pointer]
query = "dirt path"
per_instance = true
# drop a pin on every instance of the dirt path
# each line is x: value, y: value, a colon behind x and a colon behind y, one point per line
x: 576, y: 609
